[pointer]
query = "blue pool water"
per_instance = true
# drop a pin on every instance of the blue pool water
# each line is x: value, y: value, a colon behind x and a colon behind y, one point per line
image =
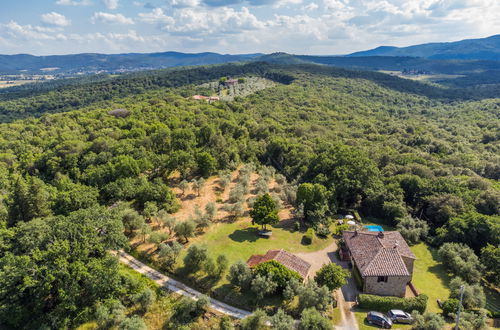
x: 374, y: 228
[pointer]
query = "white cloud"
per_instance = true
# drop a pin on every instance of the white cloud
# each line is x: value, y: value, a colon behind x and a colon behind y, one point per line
x: 56, y: 19
x: 73, y: 2
x: 156, y: 16
x: 111, y: 4
x: 310, y: 7
x: 16, y: 31
x: 223, y: 20
x: 109, y: 18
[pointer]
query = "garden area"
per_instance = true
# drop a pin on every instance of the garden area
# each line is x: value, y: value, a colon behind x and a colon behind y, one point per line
x: 214, y: 222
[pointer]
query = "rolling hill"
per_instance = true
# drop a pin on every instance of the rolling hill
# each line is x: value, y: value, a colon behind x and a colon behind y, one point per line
x: 114, y: 63
x: 469, y: 49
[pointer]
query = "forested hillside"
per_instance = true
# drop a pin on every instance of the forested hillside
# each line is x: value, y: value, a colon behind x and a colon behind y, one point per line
x: 414, y: 155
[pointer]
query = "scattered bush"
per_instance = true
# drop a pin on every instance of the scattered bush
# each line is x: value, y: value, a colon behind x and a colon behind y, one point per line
x: 473, y: 294
x: 312, y: 295
x: 412, y: 229
x: 427, y: 321
x: 384, y: 304
x: 311, y: 319
x: 225, y: 323
x: 490, y: 258
x: 263, y: 285
x: 240, y: 274
x: 308, y: 237
x: 133, y: 323
x: 450, y: 306
x: 461, y: 260
x: 281, y: 320
x: 473, y: 320
x: 195, y: 258
x: 210, y: 211
x: 168, y: 254
x: 277, y: 272
x: 185, y: 229
x: 256, y: 321
x: 145, y: 299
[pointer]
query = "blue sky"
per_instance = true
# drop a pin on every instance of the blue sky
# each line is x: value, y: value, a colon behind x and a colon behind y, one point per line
x: 43, y: 27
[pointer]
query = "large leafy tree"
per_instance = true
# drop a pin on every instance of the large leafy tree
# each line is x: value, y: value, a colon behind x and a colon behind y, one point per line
x: 58, y: 267
x: 313, y: 198
x: 264, y: 211
x: 332, y: 275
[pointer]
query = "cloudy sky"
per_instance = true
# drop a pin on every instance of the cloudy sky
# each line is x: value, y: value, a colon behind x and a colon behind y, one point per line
x: 42, y: 27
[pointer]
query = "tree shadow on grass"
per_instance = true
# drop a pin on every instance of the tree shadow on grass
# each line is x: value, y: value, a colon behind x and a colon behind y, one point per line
x: 250, y: 234
x: 439, y: 269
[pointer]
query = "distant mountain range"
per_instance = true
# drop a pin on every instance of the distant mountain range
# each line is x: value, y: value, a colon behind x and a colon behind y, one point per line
x: 473, y: 56
x: 470, y: 49
x: 94, y: 63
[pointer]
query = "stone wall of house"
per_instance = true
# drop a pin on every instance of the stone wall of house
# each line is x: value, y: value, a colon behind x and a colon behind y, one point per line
x: 409, y: 264
x: 395, y: 286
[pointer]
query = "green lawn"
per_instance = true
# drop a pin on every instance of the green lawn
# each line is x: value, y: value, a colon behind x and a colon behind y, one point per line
x: 239, y: 240
x: 430, y: 276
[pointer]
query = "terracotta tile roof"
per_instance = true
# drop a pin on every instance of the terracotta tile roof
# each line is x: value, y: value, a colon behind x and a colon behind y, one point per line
x: 285, y: 258
x: 377, y: 255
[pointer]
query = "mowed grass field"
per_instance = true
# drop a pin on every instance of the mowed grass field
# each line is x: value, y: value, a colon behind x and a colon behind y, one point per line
x: 430, y: 276
x: 240, y: 240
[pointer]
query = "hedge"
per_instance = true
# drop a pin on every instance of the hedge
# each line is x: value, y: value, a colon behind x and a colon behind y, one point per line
x: 308, y: 237
x: 384, y: 304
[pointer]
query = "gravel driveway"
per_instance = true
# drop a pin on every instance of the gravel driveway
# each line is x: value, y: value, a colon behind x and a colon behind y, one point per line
x: 346, y: 297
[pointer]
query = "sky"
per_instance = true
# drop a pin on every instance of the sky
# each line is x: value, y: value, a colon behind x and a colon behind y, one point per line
x: 322, y: 27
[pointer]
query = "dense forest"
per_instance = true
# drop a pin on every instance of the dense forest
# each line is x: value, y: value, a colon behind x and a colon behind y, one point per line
x: 423, y: 158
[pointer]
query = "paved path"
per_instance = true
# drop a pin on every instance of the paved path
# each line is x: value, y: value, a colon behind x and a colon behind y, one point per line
x: 178, y: 287
x: 346, y: 297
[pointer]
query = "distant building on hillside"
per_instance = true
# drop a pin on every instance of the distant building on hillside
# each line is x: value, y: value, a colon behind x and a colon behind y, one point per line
x: 383, y: 259
x: 231, y: 82
x: 285, y: 258
x: 209, y: 99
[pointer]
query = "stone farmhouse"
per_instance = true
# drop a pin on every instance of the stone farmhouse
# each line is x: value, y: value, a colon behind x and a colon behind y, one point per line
x: 384, y: 261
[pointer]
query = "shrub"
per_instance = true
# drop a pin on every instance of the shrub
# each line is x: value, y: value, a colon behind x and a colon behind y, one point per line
x: 412, y: 229
x: 263, y: 285
x: 323, y: 230
x: 332, y: 275
x: 450, y: 306
x: 475, y: 320
x: 226, y: 323
x: 308, y: 237
x: 461, y: 260
x: 185, y: 229
x: 195, y: 258
x: 278, y: 273
x: 168, y: 254
x: 473, y: 294
x: 256, y: 321
x: 145, y: 299
x: 384, y: 304
x: 311, y: 319
x: 312, y: 295
x: 281, y: 320
x: 133, y: 323
x: 240, y: 274
x: 428, y: 321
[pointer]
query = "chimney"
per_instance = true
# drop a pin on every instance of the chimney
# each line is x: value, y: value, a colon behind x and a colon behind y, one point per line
x: 356, y: 232
x: 380, y: 234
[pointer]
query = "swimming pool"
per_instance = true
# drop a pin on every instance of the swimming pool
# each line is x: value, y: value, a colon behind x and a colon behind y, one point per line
x: 374, y: 228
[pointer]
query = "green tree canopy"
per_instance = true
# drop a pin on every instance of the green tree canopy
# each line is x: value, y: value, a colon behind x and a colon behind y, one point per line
x: 264, y: 211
